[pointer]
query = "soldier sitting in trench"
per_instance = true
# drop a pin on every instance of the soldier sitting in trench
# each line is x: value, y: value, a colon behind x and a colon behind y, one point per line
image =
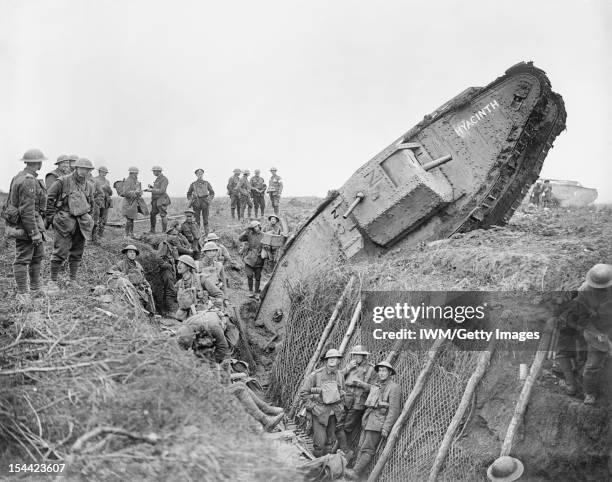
x: 131, y: 269
x: 212, y: 335
x: 193, y: 292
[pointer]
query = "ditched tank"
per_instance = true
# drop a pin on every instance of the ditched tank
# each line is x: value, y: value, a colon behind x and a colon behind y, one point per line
x: 467, y: 165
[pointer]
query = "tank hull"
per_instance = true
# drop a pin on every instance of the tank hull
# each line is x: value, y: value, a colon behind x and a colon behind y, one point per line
x: 496, y: 138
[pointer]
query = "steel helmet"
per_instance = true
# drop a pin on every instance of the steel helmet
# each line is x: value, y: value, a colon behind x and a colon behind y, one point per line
x: 257, y: 171
x: 273, y: 169
x: 505, y: 468
x: 199, y: 169
x: 332, y: 353
x: 254, y: 224
x: 385, y: 364
x: 273, y: 216
x: 600, y: 276
x: 33, y: 155
x: 212, y: 237
x: 185, y: 336
x: 173, y: 225
x: 210, y: 246
x: 103, y: 169
x: 237, y: 171
x: 246, y: 171
x: 62, y: 158
x: 359, y: 350
x: 130, y: 247
x: 85, y: 163
x: 73, y: 157
x: 188, y: 260
x: 189, y: 211
x: 133, y: 170
x: 156, y: 168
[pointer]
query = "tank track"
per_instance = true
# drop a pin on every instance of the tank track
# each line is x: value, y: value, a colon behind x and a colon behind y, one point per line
x: 521, y: 163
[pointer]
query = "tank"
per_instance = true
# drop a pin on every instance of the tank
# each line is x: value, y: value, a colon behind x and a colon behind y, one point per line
x: 568, y: 193
x: 467, y: 165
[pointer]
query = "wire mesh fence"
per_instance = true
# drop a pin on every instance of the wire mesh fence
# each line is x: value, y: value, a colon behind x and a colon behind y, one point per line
x: 417, y: 445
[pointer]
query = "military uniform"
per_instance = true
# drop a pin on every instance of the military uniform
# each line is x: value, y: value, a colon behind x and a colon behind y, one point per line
x: 546, y: 195
x: 134, y: 272
x: 275, y: 189
x: 244, y: 191
x: 357, y: 380
x: 327, y: 418
x: 131, y: 192
x: 28, y: 196
x: 70, y: 202
x: 200, y: 194
x: 232, y: 191
x: 258, y: 191
x: 192, y: 286
x: 191, y: 231
x: 159, y: 202
x: 169, y: 251
x: 253, y: 262
x: 103, y: 202
x: 383, y: 407
x: 205, y: 332
x: 213, y: 270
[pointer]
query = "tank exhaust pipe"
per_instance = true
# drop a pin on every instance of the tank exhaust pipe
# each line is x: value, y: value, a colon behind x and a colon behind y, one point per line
x: 437, y: 162
x: 358, y: 198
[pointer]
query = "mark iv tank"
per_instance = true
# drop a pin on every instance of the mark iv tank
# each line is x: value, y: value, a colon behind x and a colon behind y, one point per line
x: 467, y: 165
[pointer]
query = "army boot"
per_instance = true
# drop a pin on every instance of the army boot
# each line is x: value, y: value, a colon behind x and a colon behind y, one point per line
x: 246, y: 399
x: 153, y: 218
x: 362, y: 462
x: 164, y: 221
x: 74, y: 268
x: 34, y: 272
x: 568, y: 374
x: 266, y: 407
x: 20, y: 273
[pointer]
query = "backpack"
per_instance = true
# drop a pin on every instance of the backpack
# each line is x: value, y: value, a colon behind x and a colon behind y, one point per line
x: 9, y: 212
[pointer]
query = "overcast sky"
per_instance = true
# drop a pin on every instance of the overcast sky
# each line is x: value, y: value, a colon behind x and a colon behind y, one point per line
x: 315, y: 88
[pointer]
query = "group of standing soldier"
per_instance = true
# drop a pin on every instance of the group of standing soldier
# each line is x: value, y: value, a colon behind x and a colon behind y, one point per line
x: 345, y: 401
x: 65, y: 201
x: 541, y: 194
x: 250, y: 194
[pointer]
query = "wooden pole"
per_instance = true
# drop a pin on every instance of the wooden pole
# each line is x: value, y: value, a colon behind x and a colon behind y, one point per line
x: 523, y: 400
x: 406, y: 410
x: 351, y: 328
x: 322, y: 340
x: 481, y: 367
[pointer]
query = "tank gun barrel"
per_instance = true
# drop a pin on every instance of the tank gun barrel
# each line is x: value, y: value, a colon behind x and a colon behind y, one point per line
x: 437, y: 162
x: 358, y: 198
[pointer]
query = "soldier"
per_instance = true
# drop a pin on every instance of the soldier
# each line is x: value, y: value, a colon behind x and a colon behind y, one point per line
x: 211, y: 268
x: 244, y: 191
x: 224, y: 255
x: 275, y: 189
x: 383, y: 409
x: 169, y: 250
x: 273, y: 227
x: 200, y: 194
x: 26, y: 201
x: 70, y: 202
x: 546, y: 194
x: 535, y: 193
x: 595, y: 310
x: 253, y: 262
x: 133, y: 271
x: 191, y: 231
x: 159, y: 199
x: 131, y: 192
x: 62, y: 169
x: 103, y: 202
x: 358, y: 376
x: 323, y: 392
x: 232, y: 191
x: 190, y: 289
x: 258, y: 191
